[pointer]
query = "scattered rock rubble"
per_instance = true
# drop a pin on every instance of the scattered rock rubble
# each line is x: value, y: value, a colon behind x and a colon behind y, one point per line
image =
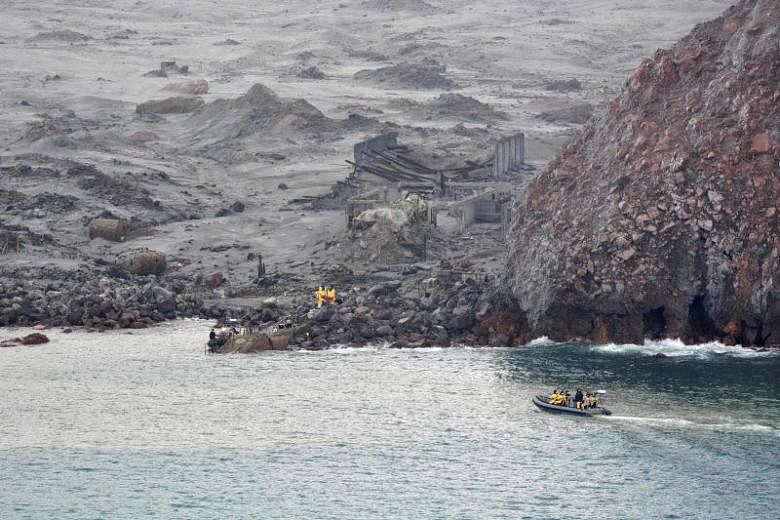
x: 112, y: 299
x: 424, y: 307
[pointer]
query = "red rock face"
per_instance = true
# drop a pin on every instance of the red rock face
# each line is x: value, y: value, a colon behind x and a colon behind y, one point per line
x: 661, y: 218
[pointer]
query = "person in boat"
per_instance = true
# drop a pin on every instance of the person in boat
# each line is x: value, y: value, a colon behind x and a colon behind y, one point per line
x: 212, y: 334
x: 331, y: 295
x: 319, y: 296
x: 578, y: 399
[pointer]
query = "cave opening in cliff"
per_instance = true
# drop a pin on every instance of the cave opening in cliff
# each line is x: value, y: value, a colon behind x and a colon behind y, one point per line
x: 700, y: 324
x: 654, y: 323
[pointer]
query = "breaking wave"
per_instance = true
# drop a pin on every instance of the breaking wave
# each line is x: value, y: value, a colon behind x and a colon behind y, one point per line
x: 543, y: 341
x: 676, y: 348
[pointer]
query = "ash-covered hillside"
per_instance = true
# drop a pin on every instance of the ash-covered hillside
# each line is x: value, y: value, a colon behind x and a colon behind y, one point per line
x: 661, y: 218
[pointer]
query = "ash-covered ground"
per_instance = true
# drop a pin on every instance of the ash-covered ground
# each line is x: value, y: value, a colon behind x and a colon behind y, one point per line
x: 202, y: 157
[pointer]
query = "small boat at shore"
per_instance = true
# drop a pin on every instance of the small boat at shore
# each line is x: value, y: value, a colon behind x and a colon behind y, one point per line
x: 231, y: 336
x: 543, y: 402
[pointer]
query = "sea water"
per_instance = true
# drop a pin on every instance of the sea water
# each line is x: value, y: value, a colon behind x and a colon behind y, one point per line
x: 144, y: 424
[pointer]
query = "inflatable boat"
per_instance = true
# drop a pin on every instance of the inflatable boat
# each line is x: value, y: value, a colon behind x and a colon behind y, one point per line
x: 542, y: 401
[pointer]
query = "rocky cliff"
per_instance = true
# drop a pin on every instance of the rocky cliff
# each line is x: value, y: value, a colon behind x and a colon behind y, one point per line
x: 661, y: 218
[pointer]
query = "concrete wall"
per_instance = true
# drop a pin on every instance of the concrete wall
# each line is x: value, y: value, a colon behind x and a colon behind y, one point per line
x: 488, y: 209
x: 509, y: 154
x: 376, y: 144
x: 488, y: 206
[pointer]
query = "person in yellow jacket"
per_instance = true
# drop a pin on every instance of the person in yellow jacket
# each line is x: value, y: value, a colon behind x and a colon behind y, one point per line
x: 319, y: 296
x: 331, y: 295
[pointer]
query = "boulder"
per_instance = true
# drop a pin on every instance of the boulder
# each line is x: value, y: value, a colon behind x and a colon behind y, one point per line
x: 213, y: 280
x: 144, y: 136
x: 190, y: 87
x: 384, y: 331
x: 311, y: 73
x: 35, y: 338
x: 385, y: 288
x: 147, y: 262
x: 108, y: 228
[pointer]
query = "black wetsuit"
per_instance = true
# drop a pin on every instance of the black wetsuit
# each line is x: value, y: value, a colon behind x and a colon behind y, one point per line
x: 578, y: 397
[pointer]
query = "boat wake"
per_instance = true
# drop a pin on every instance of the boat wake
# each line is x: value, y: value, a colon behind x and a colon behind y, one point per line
x: 676, y: 348
x: 673, y: 422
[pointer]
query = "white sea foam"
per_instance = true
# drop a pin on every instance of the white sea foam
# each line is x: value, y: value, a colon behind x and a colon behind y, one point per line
x: 674, y: 422
x: 543, y: 341
x: 676, y: 348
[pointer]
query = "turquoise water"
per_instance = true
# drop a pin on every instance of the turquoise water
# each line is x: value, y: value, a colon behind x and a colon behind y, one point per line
x: 144, y: 425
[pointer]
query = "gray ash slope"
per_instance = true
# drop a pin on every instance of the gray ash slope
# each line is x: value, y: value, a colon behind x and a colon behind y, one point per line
x: 69, y: 105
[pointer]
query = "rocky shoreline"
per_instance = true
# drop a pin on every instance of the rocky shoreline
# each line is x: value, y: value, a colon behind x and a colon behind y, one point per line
x: 410, y: 307
x: 419, y: 309
x: 658, y: 220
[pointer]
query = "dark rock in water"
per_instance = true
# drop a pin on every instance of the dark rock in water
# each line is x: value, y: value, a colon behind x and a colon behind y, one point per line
x: 659, y: 355
x: 668, y: 245
x: 282, y: 186
x: 36, y: 338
